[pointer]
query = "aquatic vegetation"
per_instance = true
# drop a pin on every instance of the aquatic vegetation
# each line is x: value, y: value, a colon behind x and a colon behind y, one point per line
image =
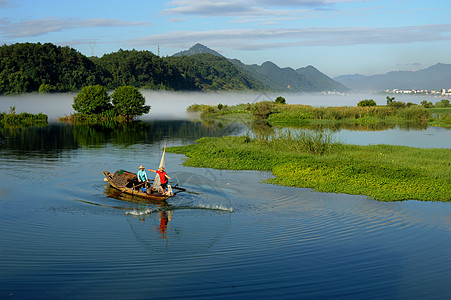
x: 24, y: 119
x: 383, y: 172
x: 280, y: 115
x: 294, y: 115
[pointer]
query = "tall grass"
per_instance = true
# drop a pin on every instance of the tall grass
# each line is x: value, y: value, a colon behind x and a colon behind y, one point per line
x: 293, y: 114
x: 311, y: 141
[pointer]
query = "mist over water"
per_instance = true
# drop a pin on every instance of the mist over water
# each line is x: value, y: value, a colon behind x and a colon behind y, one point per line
x: 167, y: 105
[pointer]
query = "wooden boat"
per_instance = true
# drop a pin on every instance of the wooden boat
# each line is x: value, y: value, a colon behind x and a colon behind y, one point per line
x: 127, y: 182
x: 121, y: 181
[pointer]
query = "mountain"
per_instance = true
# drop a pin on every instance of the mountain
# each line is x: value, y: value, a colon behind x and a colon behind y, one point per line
x: 435, y: 77
x: 320, y: 81
x: 307, y: 79
x: 272, y: 77
x: 212, y: 72
x: 197, y: 49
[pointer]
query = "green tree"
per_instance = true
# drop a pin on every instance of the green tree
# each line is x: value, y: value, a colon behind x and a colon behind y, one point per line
x: 280, y: 100
x: 92, y: 99
x: 366, y: 102
x: 263, y: 109
x: 390, y: 99
x: 128, y: 101
x: 427, y: 104
x: 442, y: 103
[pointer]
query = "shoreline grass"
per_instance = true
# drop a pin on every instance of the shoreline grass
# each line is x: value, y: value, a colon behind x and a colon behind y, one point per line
x: 297, y: 115
x: 382, y: 172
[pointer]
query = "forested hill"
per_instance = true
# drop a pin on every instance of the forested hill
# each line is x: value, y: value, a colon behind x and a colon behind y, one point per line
x: 30, y: 67
x: 307, y: 79
x: 197, y: 49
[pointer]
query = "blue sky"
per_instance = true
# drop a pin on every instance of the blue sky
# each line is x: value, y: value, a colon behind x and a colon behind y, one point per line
x: 338, y: 37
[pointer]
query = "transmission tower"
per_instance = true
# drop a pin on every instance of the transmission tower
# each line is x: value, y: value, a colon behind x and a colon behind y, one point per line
x: 92, y: 45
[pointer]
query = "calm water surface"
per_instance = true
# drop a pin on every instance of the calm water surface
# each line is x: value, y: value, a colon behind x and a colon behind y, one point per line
x: 61, y: 236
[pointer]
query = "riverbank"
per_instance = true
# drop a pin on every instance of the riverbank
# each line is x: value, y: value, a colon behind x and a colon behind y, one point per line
x: 382, y: 172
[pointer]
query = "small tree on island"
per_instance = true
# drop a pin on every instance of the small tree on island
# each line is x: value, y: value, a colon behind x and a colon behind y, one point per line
x: 92, y: 99
x: 128, y: 101
x: 280, y: 100
x: 366, y: 102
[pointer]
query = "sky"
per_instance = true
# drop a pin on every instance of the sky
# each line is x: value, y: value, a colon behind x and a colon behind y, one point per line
x: 338, y: 37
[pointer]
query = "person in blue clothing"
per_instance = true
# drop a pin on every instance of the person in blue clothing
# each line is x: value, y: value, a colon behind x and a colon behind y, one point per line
x: 142, y: 177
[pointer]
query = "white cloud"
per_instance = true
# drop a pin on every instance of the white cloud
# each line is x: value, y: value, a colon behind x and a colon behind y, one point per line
x: 258, y: 39
x: 208, y: 8
x: 28, y: 28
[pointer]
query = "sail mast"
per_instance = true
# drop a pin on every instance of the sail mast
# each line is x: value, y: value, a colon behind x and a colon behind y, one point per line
x: 156, y: 182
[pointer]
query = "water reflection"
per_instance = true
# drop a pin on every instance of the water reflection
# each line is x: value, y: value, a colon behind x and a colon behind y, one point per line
x: 51, y: 140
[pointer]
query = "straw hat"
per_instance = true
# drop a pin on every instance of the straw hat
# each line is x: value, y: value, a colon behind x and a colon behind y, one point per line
x: 141, y: 167
x: 161, y: 168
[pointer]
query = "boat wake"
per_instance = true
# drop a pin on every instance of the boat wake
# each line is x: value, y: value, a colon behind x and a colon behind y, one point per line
x: 149, y: 210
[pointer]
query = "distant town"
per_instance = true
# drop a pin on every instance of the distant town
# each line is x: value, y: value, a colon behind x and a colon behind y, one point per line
x: 441, y: 92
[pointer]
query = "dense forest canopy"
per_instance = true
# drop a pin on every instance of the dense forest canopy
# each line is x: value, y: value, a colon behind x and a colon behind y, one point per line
x: 35, y: 67
x: 28, y: 67
x: 211, y: 72
x: 142, y: 69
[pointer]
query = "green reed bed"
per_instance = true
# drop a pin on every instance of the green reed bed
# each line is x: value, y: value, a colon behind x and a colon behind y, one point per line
x: 295, y: 115
x: 22, y: 120
x: 383, y: 172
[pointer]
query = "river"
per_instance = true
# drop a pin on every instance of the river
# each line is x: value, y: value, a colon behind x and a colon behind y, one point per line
x: 229, y: 236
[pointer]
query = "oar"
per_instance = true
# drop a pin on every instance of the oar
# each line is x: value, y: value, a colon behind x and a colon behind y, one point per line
x: 117, y: 194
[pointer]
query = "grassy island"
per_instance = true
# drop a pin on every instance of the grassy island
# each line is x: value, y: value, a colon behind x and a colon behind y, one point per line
x: 303, y: 116
x: 12, y: 119
x: 383, y: 172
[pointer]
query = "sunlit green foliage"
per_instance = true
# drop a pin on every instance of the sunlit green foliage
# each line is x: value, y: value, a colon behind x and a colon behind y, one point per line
x: 29, y: 67
x: 92, y: 99
x: 142, y: 69
x: 128, y: 101
x: 442, y: 103
x: 11, y: 119
x: 383, y: 172
x: 210, y: 72
x: 366, y: 102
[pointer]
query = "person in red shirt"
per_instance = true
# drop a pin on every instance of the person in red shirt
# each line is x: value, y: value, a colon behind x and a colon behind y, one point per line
x: 163, y: 179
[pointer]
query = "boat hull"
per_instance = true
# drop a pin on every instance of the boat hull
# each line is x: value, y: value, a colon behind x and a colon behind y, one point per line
x: 133, y: 191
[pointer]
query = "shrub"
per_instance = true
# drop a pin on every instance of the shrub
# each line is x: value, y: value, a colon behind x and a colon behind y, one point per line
x: 366, y: 102
x: 280, y: 100
x: 397, y: 104
x: 46, y: 88
x: 427, y: 104
x: 443, y: 103
x: 263, y: 109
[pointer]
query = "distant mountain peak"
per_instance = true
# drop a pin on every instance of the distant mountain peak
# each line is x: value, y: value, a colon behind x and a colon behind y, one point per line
x: 433, y: 77
x: 197, y: 49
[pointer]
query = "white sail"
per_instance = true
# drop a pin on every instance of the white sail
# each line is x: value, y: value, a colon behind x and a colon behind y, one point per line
x: 156, y: 183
